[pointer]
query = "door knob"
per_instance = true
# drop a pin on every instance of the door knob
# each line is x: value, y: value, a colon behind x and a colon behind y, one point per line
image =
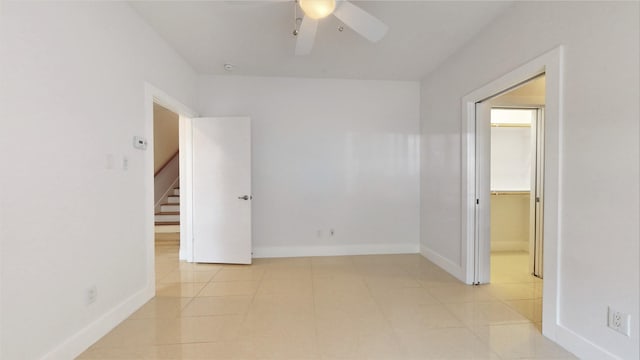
x: 246, y: 197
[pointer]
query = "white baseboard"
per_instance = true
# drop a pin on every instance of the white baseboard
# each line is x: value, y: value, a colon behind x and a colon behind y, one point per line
x: 80, y: 341
x: 446, y: 264
x: 579, y: 346
x: 335, y: 250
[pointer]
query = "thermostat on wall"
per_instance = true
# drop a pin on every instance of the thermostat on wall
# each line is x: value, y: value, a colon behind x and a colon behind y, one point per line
x: 139, y: 142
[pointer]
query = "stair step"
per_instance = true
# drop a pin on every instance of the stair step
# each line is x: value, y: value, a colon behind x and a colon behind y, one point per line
x: 170, y: 208
x: 164, y: 217
x: 176, y: 191
x: 173, y: 199
x: 169, y: 227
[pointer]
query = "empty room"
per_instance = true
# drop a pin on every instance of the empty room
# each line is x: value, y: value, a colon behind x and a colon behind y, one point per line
x: 320, y: 179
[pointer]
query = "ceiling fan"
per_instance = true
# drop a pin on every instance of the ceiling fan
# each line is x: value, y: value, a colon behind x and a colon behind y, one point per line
x: 354, y: 17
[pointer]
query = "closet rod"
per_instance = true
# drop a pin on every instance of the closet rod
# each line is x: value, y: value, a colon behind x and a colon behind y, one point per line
x: 510, y: 192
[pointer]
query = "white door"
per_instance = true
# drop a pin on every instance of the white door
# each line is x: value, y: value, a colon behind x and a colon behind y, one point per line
x: 537, y: 196
x: 482, y: 244
x: 222, y: 190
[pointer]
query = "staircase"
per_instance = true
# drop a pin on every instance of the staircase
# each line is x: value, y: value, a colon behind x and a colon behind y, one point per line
x: 168, y: 219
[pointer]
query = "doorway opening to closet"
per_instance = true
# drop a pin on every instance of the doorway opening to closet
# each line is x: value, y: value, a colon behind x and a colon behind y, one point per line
x: 516, y: 195
x: 517, y: 188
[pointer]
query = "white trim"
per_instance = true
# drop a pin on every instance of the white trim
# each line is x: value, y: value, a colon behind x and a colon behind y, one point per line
x: 165, y: 100
x: 582, y: 347
x: 482, y: 193
x: 467, y: 189
x: 81, y: 340
x: 550, y: 63
x: 336, y: 250
x: 186, y: 190
x: 446, y: 264
x: 186, y: 196
x: 153, y: 94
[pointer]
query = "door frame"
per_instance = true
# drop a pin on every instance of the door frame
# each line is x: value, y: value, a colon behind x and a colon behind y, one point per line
x: 551, y: 64
x: 152, y: 95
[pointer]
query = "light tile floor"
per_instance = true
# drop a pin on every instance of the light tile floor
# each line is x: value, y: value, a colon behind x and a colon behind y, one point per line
x: 348, y: 307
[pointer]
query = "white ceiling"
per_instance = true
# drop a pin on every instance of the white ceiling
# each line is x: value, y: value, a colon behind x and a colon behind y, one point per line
x: 256, y: 37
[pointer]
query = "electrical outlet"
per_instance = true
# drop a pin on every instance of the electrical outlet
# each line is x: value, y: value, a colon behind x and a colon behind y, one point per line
x: 91, y: 295
x: 332, y: 232
x: 618, y: 321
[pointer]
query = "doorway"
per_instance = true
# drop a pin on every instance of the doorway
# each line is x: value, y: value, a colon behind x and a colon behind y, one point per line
x: 516, y: 185
x: 509, y: 184
x: 509, y: 168
x: 475, y: 255
x: 186, y: 119
x: 156, y: 97
x: 166, y: 176
x: 516, y: 180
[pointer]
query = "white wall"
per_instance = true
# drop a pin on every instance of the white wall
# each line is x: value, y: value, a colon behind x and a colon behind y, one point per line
x: 511, y: 158
x: 598, y: 250
x: 72, y: 91
x: 327, y: 154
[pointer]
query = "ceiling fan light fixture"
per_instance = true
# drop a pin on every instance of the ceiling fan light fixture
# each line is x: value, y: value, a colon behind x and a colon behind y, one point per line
x: 317, y: 9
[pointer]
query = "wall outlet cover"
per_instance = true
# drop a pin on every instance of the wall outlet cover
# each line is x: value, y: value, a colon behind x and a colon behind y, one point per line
x: 91, y: 295
x: 618, y: 321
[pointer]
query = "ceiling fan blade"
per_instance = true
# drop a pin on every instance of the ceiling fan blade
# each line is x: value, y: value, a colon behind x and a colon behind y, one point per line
x: 306, y: 36
x: 361, y: 21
